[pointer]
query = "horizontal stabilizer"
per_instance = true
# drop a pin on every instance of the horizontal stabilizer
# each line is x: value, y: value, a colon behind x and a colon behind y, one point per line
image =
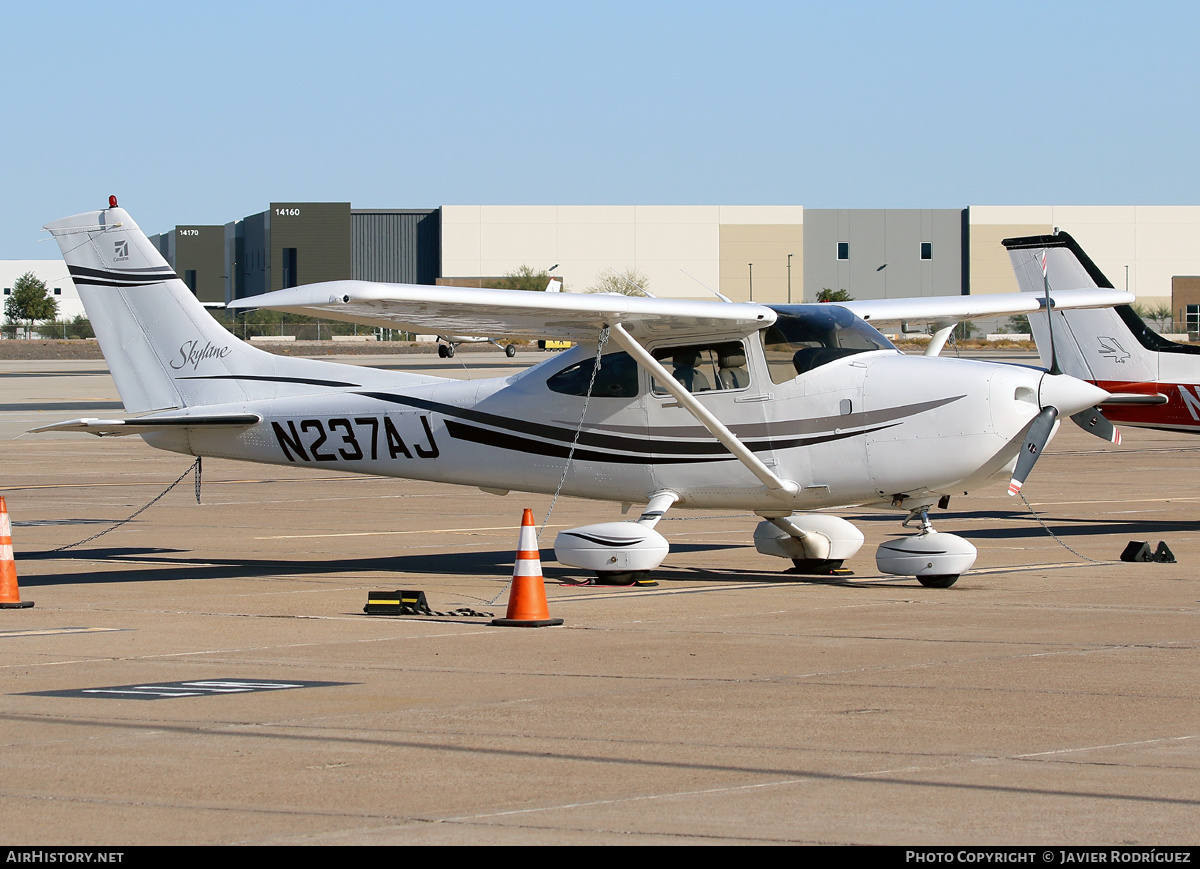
x: 142, y: 425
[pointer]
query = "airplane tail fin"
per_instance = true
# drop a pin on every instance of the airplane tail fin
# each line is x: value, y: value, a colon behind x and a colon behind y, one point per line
x: 1097, y: 344
x: 163, y: 348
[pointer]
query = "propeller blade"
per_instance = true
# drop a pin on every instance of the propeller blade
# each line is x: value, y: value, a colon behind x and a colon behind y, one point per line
x: 1094, y: 422
x: 1054, y: 369
x: 1035, y: 442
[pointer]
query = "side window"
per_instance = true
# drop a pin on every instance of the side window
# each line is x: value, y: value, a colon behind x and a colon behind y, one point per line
x: 705, y: 367
x: 617, y: 377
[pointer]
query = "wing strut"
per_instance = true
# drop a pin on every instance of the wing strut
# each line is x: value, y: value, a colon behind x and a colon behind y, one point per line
x: 938, y: 341
x: 755, y: 465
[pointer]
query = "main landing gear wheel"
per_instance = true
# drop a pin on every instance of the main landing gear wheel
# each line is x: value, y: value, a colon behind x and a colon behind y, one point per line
x: 510, y: 351
x: 817, y: 566
x: 938, y: 581
x: 623, y: 577
x: 619, y: 553
x: 442, y: 351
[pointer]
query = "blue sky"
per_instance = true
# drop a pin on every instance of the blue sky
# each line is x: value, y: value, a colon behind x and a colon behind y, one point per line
x: 206, y: 112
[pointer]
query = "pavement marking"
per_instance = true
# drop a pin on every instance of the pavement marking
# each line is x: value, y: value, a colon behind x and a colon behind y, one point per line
x: 50, y: 631
x: 205, y: 687
x: 1164, y: 739
x: 479, y: 629
x: 1109, y: 501
x: 1019, y: 568
x: 207, y: 482
x: 631, y: 799
x: 382, y: 533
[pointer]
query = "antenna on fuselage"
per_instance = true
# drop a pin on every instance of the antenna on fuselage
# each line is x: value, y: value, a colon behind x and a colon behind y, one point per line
x: 720, y: 296
x: 642, y: 290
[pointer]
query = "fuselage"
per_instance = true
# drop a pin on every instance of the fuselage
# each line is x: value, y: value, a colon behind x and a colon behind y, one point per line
x: 861, y: 426
x: 773, y: 409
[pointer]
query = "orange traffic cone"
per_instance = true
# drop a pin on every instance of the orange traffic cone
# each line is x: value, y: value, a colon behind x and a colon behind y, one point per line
x: 527, y: 606
x: 10, y: 595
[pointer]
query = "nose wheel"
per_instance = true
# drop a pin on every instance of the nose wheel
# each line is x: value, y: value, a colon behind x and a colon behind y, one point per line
x: 938, y: 581
x: 921, y: 514
x: 934, y: 558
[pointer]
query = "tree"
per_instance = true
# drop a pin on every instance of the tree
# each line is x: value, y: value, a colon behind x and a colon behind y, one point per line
x: 30, y: 301
x: 1017, y: 324
x: 630, y: 282
x: 828, y: 295
x: 1159, y: 314
x: 81, y: 327
x: 524, y: 278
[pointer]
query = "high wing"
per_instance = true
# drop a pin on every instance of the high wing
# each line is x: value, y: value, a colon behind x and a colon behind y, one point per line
x: 958, y: 308
x: 512, y: 313
x: 946, y: 312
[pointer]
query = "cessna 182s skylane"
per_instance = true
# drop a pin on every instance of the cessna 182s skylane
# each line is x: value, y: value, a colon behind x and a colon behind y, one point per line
x: 779, y: 410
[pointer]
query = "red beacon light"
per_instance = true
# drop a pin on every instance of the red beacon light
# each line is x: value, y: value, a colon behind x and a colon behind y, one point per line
x: 112, y: 202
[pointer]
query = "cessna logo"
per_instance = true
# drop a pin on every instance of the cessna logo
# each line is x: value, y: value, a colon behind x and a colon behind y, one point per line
x: 1111, y: 348
x: 121, y: 250
x: 191, y: 354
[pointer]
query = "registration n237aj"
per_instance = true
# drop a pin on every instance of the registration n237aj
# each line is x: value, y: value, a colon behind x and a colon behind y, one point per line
x: 350, y: 439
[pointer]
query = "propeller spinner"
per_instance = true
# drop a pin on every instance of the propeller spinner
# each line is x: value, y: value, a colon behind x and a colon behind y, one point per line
x: 1057, y: 394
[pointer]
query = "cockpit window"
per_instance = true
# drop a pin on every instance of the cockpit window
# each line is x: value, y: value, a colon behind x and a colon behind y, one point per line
x: 809, y: 336
x: 704, y: 367
x: 617, y: 377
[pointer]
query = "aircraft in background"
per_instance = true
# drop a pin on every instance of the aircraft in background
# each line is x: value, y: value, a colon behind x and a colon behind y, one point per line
x: 447, y: 345
x: 779, y: 410
x: 1153, y: 382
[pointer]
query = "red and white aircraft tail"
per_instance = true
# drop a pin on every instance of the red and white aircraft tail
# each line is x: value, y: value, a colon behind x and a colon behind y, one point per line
x: 1155, y: 383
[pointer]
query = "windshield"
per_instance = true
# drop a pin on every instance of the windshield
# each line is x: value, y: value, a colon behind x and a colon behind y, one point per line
x: 808, y: 336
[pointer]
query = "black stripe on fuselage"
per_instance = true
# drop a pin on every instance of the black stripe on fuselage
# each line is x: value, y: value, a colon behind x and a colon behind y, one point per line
x: 502, y: 440
x: 616, y: 442
x: 308, y: 381
x: 785, y: 427
x: 591, y: 439
x: 505, y: 441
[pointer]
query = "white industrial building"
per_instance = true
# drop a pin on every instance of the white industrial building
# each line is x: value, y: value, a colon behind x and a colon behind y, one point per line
x: 53, y: 272
x: 772, y: 254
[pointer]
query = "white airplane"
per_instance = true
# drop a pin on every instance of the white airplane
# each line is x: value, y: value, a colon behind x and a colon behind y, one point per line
x: 448, y: 345
x: 779, y: 410
x: 1155, y: 383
